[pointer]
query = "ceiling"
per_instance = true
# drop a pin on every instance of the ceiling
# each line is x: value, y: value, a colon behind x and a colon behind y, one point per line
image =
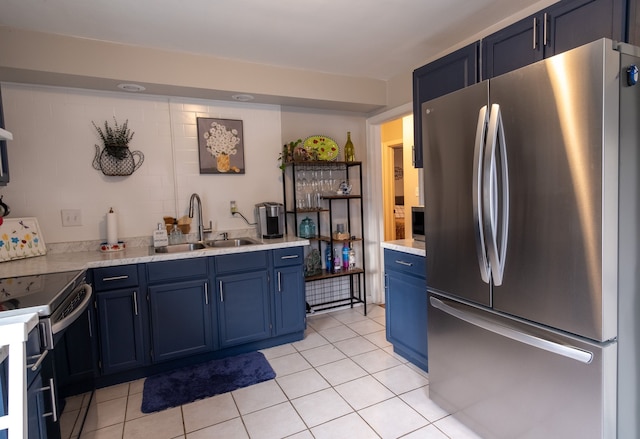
x: 376, y: 39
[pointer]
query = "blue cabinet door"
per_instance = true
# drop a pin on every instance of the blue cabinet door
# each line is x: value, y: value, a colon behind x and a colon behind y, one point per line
x: 243, y: 307
x: 406, y: 311
x: 76, y: 356
x: 36, y: 424
x: 406, y: 305
x: 449, y: 73
x: 181, y: 319
x: 513, y: 47
x: 556, y: 29
x: 577, y: 22
x: 289, y: 300
x: 121, y: 325
x: 4, y: 393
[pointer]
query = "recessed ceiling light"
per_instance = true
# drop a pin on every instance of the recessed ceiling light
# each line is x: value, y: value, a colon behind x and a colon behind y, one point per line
x: 131, y: 87
x: 242, y: 97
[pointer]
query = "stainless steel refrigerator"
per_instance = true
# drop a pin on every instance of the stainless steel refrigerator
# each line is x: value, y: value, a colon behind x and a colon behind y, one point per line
x: 532, y: 217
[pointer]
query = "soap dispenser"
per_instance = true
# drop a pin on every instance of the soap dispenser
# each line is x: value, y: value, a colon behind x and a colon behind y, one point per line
x: 175, y: 237
x: 160, y: 238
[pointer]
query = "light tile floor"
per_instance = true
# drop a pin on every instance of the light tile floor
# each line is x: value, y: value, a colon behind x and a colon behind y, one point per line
x: 342, y: 381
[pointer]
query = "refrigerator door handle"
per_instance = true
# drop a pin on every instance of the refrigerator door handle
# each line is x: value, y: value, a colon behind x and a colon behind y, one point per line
x: 495, y: 198
x: 513, y: 334
x: 481, y: 131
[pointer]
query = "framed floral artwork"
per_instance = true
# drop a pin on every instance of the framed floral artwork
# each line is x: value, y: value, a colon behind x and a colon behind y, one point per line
x: 220, y: 146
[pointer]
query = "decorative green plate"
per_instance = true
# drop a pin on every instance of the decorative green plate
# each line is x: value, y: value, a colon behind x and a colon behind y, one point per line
x: 325, y: 147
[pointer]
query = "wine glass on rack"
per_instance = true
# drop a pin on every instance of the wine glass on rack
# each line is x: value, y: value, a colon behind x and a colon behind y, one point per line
x: 301, y: 189
x: 316, y: 189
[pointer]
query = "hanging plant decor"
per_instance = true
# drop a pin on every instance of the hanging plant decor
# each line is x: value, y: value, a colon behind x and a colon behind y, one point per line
x: 116, y: 158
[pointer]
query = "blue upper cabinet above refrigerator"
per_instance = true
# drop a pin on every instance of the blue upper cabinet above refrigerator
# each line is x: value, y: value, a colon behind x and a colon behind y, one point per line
x: 450, y: 73
x: 556, y: 29
x: 553, y: 30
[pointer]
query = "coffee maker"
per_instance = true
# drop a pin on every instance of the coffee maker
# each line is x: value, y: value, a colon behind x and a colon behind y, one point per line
x: 270, y: 219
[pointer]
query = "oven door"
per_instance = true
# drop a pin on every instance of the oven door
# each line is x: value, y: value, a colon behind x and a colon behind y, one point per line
x: 61, y: 331
x: 66, y: 314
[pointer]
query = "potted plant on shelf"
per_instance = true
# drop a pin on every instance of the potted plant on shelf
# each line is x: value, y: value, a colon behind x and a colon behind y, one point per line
x: 287, y: 154
x: 116, y: 158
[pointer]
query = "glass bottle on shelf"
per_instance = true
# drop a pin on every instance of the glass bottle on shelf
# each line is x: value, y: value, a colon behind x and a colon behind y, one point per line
x: 328, y: 257
x: 352, y: 258
x: 345, y: 257
x: 349, y: 152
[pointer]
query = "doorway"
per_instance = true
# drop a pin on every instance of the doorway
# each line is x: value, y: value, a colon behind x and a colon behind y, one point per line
x: 400, y: 187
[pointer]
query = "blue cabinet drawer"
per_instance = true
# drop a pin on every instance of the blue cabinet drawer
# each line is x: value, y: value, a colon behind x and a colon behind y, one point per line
x: 283, y: 257
x: 405, y: 263
x: 111, y: 278
x: 241, y: 262
x: 177, y: 269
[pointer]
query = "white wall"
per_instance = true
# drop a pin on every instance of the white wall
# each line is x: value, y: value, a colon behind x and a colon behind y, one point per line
x: 51, y: 156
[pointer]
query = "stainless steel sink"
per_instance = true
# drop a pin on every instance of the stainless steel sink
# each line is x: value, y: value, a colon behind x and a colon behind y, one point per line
x: 181, y: 248
x: 222, y: 243
x: 235, y: 242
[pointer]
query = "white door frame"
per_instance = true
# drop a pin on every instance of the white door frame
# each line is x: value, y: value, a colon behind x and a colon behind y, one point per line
x: 373, y: 184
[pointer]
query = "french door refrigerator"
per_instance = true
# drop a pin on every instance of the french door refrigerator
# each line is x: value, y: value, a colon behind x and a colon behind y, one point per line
x: 532, y: 217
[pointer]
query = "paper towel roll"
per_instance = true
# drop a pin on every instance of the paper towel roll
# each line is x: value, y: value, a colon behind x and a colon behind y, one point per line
x: 112, y: 227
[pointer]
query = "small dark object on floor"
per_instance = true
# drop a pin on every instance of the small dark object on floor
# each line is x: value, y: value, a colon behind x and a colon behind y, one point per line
x: 188, y: 384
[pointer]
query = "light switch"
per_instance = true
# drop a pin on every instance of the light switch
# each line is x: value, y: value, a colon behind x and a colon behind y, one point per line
x: 71, y: 217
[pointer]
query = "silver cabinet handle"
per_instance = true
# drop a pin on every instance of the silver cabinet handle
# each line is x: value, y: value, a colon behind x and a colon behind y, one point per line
x: 206, y: 293
x: 89, y: 320
x: 386, y: 281
x: 290, y: 257
x: 221, y: 294
x: 544, y: 30
x: 406, y: 264
x: 513, y: 334
x: 112, y: 278
x: 279, y: 282
x: 40, y: 359
x: 135, y: 303
x: 54, y: 407
x: 535, y: 33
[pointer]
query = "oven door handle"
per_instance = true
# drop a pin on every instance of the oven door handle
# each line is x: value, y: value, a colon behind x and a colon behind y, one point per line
x: 68, y: 320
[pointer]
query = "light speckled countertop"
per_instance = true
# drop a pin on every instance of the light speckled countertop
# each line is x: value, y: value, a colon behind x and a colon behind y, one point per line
x: 56, y: 262
x: 410, y: 246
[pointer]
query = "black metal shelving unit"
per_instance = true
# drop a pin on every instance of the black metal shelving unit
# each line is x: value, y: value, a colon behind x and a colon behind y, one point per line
x: 323, y: 214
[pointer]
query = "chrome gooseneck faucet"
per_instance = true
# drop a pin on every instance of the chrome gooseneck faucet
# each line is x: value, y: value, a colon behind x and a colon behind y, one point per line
x: 201, y: 229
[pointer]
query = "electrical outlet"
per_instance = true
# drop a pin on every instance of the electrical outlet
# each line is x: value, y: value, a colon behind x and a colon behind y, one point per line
x: 233, y: 207
x: 71, y: 217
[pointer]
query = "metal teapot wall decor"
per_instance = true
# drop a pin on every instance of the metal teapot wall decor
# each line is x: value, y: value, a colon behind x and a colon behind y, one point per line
x: 115, y: 159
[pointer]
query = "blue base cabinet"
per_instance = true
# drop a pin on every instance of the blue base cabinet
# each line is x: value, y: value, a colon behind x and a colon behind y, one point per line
x: 158, y: 316
x: 180, y: 310
x: 122, y: 318
x: 406, y: 305
x: 288, y: 290
x: 76, y: 357
x: 242, y: 298
x: 36, y: 424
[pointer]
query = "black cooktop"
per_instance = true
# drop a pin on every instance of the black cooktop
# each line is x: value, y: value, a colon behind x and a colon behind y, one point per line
x: 40, y: 293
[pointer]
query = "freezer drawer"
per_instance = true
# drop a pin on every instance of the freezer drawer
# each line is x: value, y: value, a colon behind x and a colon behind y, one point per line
x: 506, y: 379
